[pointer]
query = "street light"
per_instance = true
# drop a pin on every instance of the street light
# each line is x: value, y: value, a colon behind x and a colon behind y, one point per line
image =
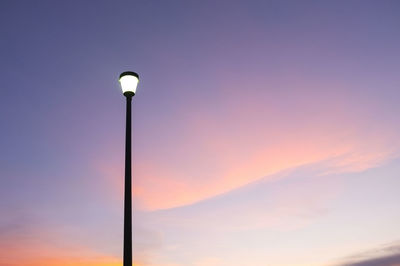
x: 129, y: 81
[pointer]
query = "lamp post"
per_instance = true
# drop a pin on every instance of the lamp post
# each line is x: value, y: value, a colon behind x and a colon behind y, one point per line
x: 129, y: 81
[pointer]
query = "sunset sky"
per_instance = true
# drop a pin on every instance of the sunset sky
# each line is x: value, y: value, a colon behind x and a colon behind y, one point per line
x: 265, y: 133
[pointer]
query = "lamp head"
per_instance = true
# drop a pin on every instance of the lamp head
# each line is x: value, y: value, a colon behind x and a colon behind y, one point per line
x: 129, y: 81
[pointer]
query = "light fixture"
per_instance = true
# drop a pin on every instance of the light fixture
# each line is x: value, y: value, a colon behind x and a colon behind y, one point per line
x: 129, y: 81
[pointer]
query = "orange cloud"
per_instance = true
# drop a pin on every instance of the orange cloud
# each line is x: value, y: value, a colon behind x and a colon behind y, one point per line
x: 162, y: 186
x: 48, y: 256
x: 290, y: 205
x: 34, y: 247
x: 97, y: 261
x: 249, y: 138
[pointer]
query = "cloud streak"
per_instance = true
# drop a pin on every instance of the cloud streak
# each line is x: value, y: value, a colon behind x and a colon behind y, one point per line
x: 388, y: 255
x: 24, y: 242
x: 283, y: 202
x: 242, y: 138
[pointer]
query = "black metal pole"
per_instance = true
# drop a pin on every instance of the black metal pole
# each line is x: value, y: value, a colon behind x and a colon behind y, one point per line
x: 128, y: 186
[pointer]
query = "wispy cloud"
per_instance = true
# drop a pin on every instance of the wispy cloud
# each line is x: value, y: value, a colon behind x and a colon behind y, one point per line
x: 386, y: 255
x: 267, y: 203
x: 246, y: 137
x: 163, y: 186
x: 24, y: 242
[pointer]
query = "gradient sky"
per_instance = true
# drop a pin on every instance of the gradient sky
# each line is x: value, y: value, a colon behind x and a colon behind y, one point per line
x: 264, y: 132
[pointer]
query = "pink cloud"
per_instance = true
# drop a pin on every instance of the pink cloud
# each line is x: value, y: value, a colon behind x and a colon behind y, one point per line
x: 34, y: 253
x: 251, y: 136
x: 27, y: 245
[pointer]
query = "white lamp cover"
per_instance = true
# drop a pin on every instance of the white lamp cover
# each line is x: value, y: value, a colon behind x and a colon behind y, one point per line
x: 129, y: 83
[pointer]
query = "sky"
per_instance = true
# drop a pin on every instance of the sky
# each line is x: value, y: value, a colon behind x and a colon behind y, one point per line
x: 264, y: 132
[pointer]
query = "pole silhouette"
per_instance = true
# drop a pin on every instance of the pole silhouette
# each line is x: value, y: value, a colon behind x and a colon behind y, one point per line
x: 129, y: 81
x: 128, y: 185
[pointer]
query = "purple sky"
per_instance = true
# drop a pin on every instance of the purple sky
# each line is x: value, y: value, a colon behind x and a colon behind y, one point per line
x: 264, y: 132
